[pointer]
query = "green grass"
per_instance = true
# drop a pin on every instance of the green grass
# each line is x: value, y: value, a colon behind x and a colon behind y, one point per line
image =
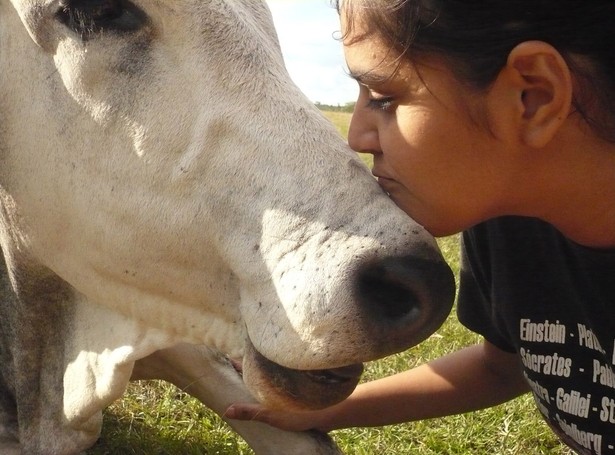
x: 341, y: 120
x: 155, y: 418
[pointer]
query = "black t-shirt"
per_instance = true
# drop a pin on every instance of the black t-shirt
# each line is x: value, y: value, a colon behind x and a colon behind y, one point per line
x: 529, y: 290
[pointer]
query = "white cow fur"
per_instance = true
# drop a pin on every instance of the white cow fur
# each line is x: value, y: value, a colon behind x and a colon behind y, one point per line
x: 180, y: 194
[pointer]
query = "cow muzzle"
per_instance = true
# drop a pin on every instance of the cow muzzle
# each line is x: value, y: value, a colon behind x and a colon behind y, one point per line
x: 379, y: 307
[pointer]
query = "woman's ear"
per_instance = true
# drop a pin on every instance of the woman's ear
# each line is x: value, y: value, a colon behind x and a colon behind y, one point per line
x: 540, y: 82
x: 546, y: 93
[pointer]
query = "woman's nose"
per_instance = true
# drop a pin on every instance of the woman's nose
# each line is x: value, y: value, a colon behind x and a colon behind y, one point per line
x: 362, y: 133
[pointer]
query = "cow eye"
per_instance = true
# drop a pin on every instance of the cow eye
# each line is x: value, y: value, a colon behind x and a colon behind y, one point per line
x: 91, y: 17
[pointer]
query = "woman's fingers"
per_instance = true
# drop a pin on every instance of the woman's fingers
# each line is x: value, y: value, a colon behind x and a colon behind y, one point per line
x: 285, y: 420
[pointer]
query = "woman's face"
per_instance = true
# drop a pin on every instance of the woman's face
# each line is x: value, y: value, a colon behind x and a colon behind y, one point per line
x: 446, y: 171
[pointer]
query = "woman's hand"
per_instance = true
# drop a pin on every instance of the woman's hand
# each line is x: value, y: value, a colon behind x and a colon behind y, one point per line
x: 284, y: 420
x: 473, y: 378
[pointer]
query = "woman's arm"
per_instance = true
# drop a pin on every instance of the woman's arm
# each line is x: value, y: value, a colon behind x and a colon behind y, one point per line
x: 473, y: 378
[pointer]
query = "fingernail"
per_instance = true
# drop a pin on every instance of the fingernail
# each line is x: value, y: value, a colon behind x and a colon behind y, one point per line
x: 230, y: 412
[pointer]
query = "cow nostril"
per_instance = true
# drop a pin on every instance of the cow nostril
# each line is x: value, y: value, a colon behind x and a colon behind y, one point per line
x: 385, y: 288
x: 401, y: 301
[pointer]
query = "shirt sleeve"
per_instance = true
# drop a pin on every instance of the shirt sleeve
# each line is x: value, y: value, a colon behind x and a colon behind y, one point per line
x: 475, y: 308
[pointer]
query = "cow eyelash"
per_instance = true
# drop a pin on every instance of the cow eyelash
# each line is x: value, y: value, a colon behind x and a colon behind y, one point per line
x: 91, y: 17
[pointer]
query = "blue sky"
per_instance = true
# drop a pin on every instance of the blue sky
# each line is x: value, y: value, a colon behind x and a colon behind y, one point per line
x: 314, y: 58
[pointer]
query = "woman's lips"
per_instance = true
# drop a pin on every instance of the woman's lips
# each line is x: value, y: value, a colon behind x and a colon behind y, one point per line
x: 385, y: 183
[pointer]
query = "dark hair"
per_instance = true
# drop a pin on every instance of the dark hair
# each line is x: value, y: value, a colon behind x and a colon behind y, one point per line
x: 476, y: 37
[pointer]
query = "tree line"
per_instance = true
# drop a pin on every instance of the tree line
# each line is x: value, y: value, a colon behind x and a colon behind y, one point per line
x: 347, y: 107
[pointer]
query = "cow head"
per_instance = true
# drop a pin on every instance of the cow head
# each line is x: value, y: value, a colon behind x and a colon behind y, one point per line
x: 157, y: 160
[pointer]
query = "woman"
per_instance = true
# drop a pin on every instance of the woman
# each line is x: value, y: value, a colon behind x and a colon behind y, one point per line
x: 496, y: 119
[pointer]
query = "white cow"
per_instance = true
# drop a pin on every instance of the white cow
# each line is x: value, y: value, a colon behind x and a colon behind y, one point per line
x: 170, y: 200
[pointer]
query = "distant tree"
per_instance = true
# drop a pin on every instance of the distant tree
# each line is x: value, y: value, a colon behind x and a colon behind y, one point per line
x: 347, y: 107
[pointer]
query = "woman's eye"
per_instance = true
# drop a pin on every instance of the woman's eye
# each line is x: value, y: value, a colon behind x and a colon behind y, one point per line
x: 381, y: 103
x: 91, y: 17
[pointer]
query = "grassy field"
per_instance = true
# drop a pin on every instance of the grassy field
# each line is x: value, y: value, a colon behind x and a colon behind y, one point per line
x: 155, y: 418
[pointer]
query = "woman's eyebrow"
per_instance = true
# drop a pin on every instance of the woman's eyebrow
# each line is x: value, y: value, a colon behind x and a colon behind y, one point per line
x: 370, y: 77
